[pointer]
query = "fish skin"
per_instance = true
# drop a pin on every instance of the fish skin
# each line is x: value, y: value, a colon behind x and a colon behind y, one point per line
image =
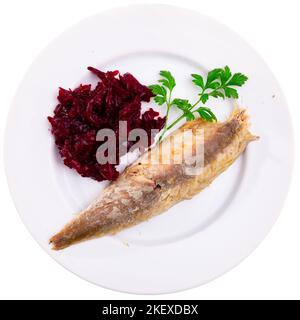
x: 145, y: 190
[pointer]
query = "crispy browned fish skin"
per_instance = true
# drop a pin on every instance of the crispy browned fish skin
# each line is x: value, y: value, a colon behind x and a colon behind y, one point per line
x: 146, y: 190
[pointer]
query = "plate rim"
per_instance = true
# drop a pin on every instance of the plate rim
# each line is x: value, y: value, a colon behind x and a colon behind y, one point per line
x: 11, y: 111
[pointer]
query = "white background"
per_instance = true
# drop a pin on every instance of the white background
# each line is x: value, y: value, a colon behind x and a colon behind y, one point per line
x: 272, y: 271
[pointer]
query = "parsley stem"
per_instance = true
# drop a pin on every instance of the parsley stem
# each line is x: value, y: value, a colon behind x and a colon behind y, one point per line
x: 175, y: 122
x: 181, y: 117
x: 167, y: 116
x: 197, y: 102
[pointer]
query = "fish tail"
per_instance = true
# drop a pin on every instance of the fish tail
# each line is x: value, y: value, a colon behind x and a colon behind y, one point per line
x: 241, y: 115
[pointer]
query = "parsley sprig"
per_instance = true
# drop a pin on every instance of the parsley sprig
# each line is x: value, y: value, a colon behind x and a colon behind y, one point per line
x: 219, y: 83
x: 163, y: 93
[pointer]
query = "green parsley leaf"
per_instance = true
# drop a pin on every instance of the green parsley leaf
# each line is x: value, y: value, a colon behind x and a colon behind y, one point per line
x: 206, y: 114
x: 160, y: 100
x: 213, y: 85
x: 168, y: 80
x: 158, y: 90
x: 231, y: 93
x: 198, y: 80
x: 182, y: 104
x: 225, y: 75
x: 204, y: 97
x: 189, y: 116
x: 238, y: 79
x: 160, y: 94
x: 217, y: 94
x: 213, y: 75
x: 219, y: 84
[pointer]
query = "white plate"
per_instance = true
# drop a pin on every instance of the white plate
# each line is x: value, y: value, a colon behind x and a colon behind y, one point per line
x: 195, y: 241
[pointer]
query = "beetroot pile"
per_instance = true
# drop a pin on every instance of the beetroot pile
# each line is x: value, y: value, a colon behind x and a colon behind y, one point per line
x: 83, y: 111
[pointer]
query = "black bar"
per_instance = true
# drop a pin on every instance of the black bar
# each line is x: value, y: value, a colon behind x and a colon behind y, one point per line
x: 143, y: 309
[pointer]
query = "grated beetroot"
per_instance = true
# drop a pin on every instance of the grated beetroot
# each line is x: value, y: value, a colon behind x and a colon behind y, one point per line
x: 83, y: 111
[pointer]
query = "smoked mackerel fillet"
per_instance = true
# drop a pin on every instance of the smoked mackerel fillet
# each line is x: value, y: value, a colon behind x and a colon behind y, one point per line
x: 146, y: 189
